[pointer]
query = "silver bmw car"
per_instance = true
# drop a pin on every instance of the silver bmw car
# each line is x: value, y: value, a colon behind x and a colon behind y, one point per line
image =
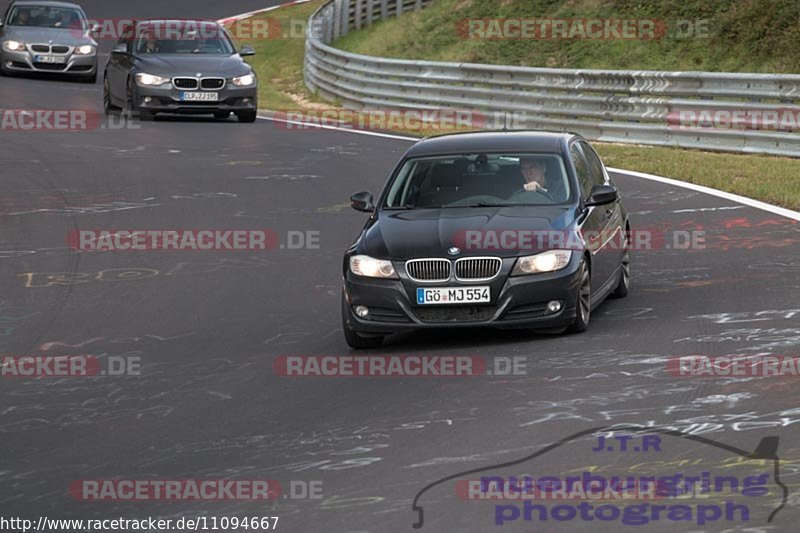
x: 52, y: 37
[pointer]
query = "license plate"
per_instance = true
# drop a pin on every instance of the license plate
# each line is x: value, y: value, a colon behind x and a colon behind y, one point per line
x: 453, y: 295
x: 50, y: 59
x: 199, y: 97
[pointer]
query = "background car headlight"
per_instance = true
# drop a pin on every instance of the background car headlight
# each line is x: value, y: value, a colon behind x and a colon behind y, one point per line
x: 548, y: 261
x: 14, y: 46
x: 363, y: 265
x: 149, y: 79
x: 85, y: 50
x: 244, y: 81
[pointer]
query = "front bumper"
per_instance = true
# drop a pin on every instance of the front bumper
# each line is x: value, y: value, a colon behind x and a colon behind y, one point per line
x: 24, y: 62
x: 167, y: 99
x: 517, y: 302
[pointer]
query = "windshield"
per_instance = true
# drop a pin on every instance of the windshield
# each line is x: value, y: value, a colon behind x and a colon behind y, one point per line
x: 213, y: 41
x: 47, y: 17
x: 478, y: 180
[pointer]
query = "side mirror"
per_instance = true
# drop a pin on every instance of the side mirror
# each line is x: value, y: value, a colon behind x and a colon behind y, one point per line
x: 1, y: 23
x: 362, y: 201
x: 602, y: 195
x: 247, y: 50
x: 94, y: 29
x: 120, y: 48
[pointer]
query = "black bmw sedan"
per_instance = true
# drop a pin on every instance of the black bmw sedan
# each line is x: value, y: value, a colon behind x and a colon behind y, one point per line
x: 519, y: 229
x: 180, y: 66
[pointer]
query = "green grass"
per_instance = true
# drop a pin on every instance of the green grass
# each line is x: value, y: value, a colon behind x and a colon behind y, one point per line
x: 743, y: 35
x: 279, y: 61
x: 774, y: 180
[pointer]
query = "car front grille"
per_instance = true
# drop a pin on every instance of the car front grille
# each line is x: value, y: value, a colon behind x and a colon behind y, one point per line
x: 45, y: 48
x: 189, y: 84
x: 428, y: 269
x: 59, y: 49
x: 477, y: 268
x: 212, y: 84
x: 458, y: 313
x: 50, y: 66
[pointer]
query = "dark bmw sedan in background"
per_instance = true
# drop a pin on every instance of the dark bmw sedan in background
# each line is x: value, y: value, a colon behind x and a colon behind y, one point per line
x: 501, y: 229
x: 179, y: 66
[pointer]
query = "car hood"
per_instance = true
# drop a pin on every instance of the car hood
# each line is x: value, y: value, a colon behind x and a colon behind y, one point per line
x: 192, y: 64
x: 417, y: 233
x: 31, y: 35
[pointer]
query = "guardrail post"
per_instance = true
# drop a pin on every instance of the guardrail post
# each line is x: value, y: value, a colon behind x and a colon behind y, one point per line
x: 358, y: 13
x: 384, y: 9
x: 370, y: 11
x: 398, y: 7
x: 344, y: 18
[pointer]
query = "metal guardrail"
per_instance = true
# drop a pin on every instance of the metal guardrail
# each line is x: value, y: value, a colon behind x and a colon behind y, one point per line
x: 623, y: 106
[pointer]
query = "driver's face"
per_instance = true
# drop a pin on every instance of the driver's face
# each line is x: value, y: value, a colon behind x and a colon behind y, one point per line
x: 532, y: 170
x: 24, y: 16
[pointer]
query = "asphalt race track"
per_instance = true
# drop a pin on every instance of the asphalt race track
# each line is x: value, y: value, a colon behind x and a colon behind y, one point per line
x: 208, y: 325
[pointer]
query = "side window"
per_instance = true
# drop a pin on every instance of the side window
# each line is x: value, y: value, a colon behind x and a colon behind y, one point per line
x: 595, y: 166
x: 581, y: 170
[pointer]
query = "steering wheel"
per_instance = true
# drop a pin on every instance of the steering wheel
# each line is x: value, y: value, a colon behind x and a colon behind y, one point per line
x: 523, y: 190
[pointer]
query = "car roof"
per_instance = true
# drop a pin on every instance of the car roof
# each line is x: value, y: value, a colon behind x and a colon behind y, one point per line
x: 491, y: 141
x: 43, y: 3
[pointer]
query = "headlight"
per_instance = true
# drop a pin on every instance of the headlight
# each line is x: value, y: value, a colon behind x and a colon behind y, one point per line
x: 149, y: 79
x: 548, y: 261
x: 85, y: 50
x: 244, y: 81
x: 14, y: 46
x: 363, y: 265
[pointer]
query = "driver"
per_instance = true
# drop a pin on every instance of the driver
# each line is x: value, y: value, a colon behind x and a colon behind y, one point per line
x: 67, y: 20
x: 23, y: 17
x: 534, y: 169
x: 151, y: 46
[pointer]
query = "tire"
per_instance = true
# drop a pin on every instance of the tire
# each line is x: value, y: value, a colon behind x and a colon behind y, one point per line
x: 624, y: 274
x: 108, y: 107
x: 127, y: 110
x: 583, y: 303
x: 353, y: 339
x: 247, y: 116
x: 221, y: 115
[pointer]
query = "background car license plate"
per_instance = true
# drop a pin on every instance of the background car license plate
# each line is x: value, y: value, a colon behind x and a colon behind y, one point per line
x: 50, y: 59
x: 453, y: 295
x: 199, y: 97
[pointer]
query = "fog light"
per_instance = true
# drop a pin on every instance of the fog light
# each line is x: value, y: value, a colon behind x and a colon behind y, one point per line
x: 362, y: 311
x: 245, y: 100
x: 554, y: 306
x: 147, y: 99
